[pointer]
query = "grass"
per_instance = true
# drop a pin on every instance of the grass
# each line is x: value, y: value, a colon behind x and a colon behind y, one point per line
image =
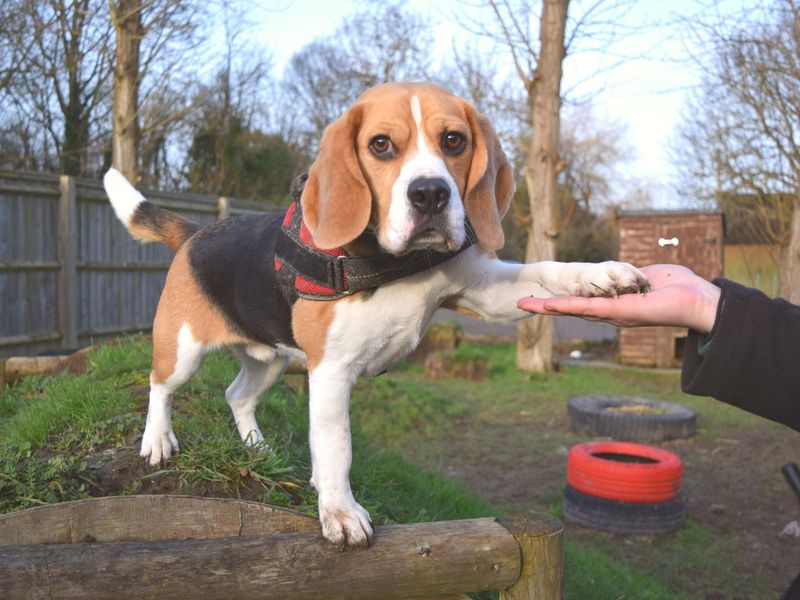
x: 57, y: 433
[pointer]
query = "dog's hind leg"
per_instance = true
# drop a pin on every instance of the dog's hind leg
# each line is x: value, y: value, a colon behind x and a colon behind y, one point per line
x: 242, y: 395
x: 173, y: 365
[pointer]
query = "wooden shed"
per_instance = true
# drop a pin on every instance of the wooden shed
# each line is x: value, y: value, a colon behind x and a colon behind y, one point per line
x: 686, y: 237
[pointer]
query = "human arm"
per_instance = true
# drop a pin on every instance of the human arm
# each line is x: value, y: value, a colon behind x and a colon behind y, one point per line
x: 750, y: 343
x: 752, y: 359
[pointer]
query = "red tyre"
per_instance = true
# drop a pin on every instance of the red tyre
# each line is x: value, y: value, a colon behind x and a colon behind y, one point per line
x: 624, y: 471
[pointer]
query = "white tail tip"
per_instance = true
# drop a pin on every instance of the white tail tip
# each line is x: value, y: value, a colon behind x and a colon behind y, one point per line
x: 124, y: 197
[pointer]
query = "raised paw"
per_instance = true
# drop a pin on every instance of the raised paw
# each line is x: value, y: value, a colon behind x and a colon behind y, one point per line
x: 611, y: 279
x: 346, y: 525
x: 158, y: 444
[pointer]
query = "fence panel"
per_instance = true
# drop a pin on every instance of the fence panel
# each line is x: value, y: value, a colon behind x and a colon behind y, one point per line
x: 70, y: 274
x: 29, y: 262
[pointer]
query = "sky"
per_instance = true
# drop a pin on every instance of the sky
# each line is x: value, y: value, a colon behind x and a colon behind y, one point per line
x: 640, y: 82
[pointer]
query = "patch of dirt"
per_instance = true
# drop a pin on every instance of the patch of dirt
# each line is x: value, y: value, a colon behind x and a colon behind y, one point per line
x: 733, y: 487
x: 121, y: 471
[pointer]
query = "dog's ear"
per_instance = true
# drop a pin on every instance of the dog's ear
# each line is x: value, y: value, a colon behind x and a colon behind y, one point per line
x: 490, y: 184
x: 336, y: 199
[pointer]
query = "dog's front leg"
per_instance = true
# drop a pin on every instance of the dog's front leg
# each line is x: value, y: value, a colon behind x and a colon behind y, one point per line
x: 491, y: 287
x: 343, y: 520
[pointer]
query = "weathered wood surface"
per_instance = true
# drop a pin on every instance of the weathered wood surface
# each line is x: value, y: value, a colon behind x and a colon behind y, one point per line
x: 700, y: 247
x: 406, y: 561
x: 147, y: 518
x: 541, y: 542
x: 17, y: 367
x: 68, y: 268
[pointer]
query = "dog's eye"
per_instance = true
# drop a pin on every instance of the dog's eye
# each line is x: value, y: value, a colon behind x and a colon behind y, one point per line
x: 453, y: 143
x: 382, y: 147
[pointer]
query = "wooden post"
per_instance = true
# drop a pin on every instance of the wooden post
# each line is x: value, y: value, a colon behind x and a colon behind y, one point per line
x: 223, y: 208
x: 67, y: 257
x: 406, y: 561
x: 541, y: 543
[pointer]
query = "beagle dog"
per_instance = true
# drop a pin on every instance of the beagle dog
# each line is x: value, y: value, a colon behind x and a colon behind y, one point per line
x: 408, y: 168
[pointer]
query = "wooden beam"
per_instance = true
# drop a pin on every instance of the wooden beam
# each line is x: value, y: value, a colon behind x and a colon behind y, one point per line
x: 122, y: 266
x: 29, y: 338
x: 30, y: 265
x: 406, y: 561
x: 223, y: 208
x: 67, y: 256
x: 148, y: 518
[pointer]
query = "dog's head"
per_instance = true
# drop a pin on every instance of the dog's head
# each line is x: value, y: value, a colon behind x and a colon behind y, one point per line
x: 409, y: 161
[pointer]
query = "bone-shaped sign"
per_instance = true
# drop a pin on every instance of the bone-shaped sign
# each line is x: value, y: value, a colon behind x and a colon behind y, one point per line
x: 668, y: 241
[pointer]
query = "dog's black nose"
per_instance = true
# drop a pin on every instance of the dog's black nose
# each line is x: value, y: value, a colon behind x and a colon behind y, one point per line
x: 429, y: 195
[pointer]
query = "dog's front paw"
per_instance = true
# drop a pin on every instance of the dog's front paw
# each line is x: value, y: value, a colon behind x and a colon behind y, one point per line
x: 345, y: 524
x: 610, y: 279
x: 158, y: 444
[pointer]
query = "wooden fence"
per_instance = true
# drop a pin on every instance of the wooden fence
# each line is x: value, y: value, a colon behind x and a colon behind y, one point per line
x: 70, y: 274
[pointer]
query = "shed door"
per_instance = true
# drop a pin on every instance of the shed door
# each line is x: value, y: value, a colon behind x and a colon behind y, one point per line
x: 697, y: 244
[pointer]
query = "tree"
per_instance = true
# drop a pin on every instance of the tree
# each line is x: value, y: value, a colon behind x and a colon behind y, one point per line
x: 382, y: 43
x: 739, y: 145
x: 57, y: 58
x: 126, y: 17
x: 57, y: 87
x: 153, y: 79
x: 535, y: 336
x: 539, y: 68
x: 229, y: 155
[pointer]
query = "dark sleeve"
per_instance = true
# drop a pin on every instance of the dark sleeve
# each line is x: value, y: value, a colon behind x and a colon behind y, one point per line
x: 753, y: 360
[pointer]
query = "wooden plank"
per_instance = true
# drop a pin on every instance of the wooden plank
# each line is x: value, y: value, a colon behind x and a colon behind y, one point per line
x: 177, y: 203
x: 125, y: 266
x: 67, y: 256
x: 29, y: 184
x: 147, y: 518
x: 111, y: 329
x: 30, y: 338
x: 541, y: 541
x: 424, y: 559
x: 17, y: 367
x: 223, y: 208
x: 30, y: 265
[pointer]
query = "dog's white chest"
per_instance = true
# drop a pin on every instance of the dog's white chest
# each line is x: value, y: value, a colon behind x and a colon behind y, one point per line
x: 373, y: 333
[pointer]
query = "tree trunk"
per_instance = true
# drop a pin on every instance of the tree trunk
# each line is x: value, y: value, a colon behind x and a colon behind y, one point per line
x: 76, y: 125
x: 535, y: 335
x: 790, y: 257
x: 126, y: 16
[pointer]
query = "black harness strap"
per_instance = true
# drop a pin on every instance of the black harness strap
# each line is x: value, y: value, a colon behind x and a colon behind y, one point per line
x: 345, y: 275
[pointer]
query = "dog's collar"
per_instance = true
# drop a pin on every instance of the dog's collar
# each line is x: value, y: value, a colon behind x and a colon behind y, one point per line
x: 306, y: 271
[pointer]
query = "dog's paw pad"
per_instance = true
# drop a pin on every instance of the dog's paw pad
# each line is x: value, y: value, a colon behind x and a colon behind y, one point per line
x: 158, y: 445
x: 612, y: 279
x: 346, y: 526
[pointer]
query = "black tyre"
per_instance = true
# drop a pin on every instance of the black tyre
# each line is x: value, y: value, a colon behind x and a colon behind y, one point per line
x: 627, y: 418
x: 615, y: 516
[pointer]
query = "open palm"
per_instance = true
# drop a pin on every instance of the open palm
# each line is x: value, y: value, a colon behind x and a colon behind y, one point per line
x: 677, y: 297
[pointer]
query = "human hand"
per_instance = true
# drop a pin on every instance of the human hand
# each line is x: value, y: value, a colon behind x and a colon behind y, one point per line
x: 677, y: 298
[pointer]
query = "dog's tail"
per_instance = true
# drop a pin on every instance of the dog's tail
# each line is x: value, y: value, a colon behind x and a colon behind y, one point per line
x: 144, y: 220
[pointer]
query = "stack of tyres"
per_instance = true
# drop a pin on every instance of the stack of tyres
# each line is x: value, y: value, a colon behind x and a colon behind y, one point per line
x: 621, y: 487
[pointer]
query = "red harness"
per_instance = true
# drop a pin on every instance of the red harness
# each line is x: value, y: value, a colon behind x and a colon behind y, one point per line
x: 307, y: 287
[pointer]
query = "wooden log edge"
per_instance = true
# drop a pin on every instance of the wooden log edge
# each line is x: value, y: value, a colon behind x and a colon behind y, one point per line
x: 406, y: 561
x: 147, y: 518
x: 17, y: 367
x: 541, y: 542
